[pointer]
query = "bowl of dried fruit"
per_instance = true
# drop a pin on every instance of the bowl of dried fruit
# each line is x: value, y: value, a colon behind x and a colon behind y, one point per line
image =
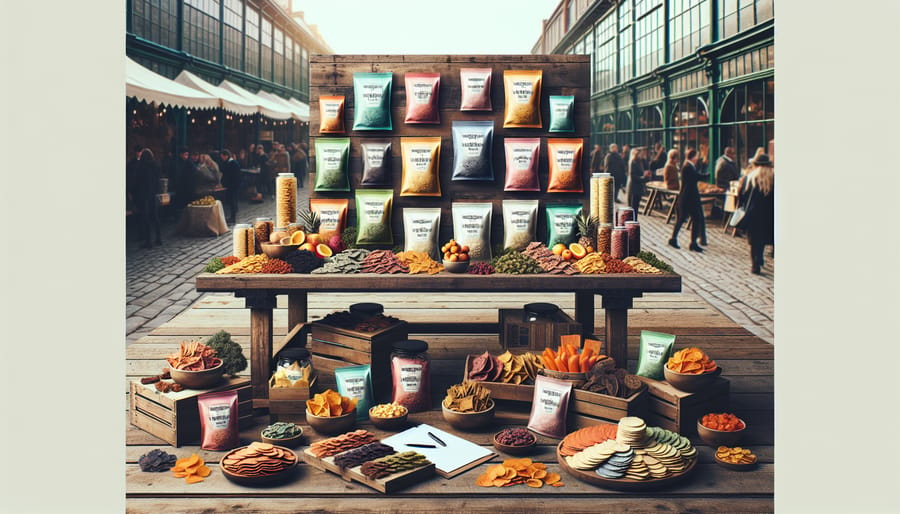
x: 284, y: 434
x: 720, y: 429
x: 201, y: 379
x: 515, y: 441
x: 389, y: 416
x: 456, y: 266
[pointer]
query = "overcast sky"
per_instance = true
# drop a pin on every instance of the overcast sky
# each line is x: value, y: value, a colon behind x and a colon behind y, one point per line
x: 427, y: 26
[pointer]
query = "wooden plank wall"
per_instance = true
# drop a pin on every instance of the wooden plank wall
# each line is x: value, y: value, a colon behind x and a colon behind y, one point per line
x: 562, y: 75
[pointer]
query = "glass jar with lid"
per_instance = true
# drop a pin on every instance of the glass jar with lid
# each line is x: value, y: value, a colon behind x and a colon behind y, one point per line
x: 293, y: 361
x: 619, y: 244
x: 411, y: 375
x: 285, y: 199
x: 263, y: 228
x: 243, y: 240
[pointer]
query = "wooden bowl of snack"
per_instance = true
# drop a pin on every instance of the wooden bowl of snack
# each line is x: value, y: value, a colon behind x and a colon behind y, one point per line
x: 276, y: 471
x: 288, y: 442
x: 392, y: 423
x: 456, y: 266
x: 203, y: 379
x: 736, y: 459
x: 332, y: 425
x: 468, y: 420
x: 278, y: 250
x: 690, y: 383
x: 518, y: 441
x: 717, y: 438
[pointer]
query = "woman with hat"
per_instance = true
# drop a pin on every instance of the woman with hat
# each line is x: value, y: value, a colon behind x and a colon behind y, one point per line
x: 757, y: 198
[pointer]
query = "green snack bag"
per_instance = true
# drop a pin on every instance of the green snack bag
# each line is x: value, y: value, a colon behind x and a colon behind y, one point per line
x: 562, y: 114
x: 332, y: 158
x: 356, y: 382
x: 561, y: 224
x: 373, y: 216
x: 655, y: 350
x: 372, y: 101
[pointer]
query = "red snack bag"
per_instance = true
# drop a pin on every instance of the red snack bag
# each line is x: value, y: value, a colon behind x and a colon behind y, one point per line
x: 422, y: 97
x: 219, y: 420
x: 549, y: 406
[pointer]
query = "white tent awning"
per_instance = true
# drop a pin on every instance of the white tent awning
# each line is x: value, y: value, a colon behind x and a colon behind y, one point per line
x: 230, y: 101
x: 267, y: 108
x: 295, y: 111
x: 302, y: 107
x: 149, y: 86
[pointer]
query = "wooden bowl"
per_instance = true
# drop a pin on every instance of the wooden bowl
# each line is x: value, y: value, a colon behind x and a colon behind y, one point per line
x: 392, y: 424
x: 198, y: 379
x: 736, y: 467
x: 287, y: 442
x: 456, y: 267
x: 690, y: 383
x: 717, y: 438
x: 515, y: 450
x: 332, y: 425
x: 468, y: 420
x: 278, y: 251
x: 577, y: 378
x: 262, y: 480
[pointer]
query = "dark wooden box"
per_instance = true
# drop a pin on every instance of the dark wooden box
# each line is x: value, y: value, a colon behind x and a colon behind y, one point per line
x: 289, y: 403
x: 333, y: 348
x: 174, y: 417
x: 516, y: 334
x: 679, y: 411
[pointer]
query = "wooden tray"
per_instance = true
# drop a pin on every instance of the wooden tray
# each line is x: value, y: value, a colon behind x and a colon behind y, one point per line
x: 387, y: 485
x: 624, y: 484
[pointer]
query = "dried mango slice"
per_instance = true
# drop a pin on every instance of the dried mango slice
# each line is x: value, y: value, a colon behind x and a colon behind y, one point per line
x: 533, y: 482
x: 552, y: 478
x: 203, y: 471
x: 192, y: 479
x: 485, y: 481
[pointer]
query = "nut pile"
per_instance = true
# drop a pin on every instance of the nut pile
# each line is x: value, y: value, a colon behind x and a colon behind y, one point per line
x: 383, y: 261
x: 516, y: 263
x: 341, y: 443
x: 515, y: 437
x: 386, y: 466
x: 547, y: 260
x: 388, y: 410
x: 276, y: 266
x: 348, y: 261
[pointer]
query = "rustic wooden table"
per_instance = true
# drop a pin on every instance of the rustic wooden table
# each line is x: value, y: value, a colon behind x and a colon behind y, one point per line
x: 259, y: 290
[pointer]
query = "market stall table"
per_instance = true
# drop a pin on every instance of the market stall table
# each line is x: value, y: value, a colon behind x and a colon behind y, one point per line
x: 203, y: 220
x: 259, y: 290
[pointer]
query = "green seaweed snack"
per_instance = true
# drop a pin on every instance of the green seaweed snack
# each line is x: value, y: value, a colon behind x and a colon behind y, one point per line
x: 372, y: 101
x: 332, y: 158
x: 373, y: 216
x: 655, y: 350
x: 562, y: 114
x: 561, y: 226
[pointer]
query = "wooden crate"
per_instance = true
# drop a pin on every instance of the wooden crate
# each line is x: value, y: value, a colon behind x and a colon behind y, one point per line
x: 585, y: 408
x: 289, y: 403
x: 518, y: 334
x: 334, y: 347
x: 677, y: 410
x: 174, y: 417
x: 387, y: 485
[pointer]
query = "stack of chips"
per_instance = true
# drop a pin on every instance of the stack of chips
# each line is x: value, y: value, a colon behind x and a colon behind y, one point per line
x: 638, y: 469
x: 632, y: 431
x: 617, y: 465
x: 593, y: 456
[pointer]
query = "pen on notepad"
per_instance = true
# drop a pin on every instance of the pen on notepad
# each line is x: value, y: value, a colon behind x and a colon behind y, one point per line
x: 436, y: 439
x: 414, y: 445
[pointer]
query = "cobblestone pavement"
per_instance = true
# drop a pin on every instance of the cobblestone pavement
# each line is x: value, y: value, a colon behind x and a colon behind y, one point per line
x: 160, y: 281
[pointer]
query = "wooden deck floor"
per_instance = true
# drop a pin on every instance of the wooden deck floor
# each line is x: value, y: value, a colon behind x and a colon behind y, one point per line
x: 747, y: 361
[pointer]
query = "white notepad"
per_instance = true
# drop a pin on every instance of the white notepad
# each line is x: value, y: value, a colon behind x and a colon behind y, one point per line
x: 458, y: 456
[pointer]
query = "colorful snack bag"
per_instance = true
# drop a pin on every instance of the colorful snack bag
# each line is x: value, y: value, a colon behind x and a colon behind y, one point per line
x: 421, y: 229
x: 561, y: 226
x: 473, y: 155
x: 355, y: 382
x: 332, y: 216
x: 472, y: 228
x: 550, y: 406
x: 373, y: 216
x: 332, y: 164
x: 522, y: 156
x: 562, y: 114
x: 565, y: 165
x: 219, y: 420
x: 422, y: 91
x: 421, y: 165
x: 522, y: 90
x: 519, y: 223
x: 331, y: 114
x: 475, y: 84
x: 372, y: 101
x: 376, y: 162
x: 654, y: 352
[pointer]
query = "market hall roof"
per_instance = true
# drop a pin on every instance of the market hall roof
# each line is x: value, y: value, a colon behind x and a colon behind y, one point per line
x: 267, y: 107
x: 150, y: 86
x: 230, y: 101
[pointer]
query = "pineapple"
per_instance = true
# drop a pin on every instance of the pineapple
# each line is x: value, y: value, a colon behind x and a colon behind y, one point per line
x: 310, y: 221
x: 587, y: 230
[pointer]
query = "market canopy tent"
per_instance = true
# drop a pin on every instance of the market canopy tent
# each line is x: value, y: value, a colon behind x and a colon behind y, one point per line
x: 267, y: 107
x: 230, y: 101
x: 303, y: 108
x: 149, y: 86
x: 295, y: 111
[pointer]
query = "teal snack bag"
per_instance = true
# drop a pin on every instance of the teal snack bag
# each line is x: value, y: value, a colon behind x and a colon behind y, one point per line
x: 562, y: 114
x: 372, y: 101
x: 332, y: 164
x: 655, y: 350
x: 356, y: 382
x: 373, y: 216
x: 561, y: 227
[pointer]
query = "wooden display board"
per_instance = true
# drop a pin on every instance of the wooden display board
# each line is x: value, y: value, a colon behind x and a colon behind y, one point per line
x: 562, y: 75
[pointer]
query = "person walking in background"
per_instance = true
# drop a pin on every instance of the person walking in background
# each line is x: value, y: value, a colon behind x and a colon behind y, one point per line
x: 638, y: 175
x: 146, y: 188
x: 757, y: 198
x: 261, y: 161
x: 131, y: 176
x: 208, y: 177
x: 300, y: 164
x: 727, y: 169
x: 596, y: 159
x: 231, y: 179
x: 182, y: 181
x: 670, y: 171
x: 759, y: 151
x: 615, y: 166
x: 688, y: 204
x: 658, y: 162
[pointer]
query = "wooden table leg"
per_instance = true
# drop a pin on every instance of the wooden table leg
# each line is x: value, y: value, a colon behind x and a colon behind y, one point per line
x: 672, y: 208
x: 297, y: 309
x: 651, y: 200
x: 584, y: 311
x: 616, y: 307
x: 261, y: 306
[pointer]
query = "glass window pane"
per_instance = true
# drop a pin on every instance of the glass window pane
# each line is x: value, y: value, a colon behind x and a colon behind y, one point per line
x: 746, y: 18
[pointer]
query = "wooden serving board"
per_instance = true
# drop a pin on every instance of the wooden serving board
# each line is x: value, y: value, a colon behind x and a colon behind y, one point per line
x: 623, y: 484
x: 388, y: 484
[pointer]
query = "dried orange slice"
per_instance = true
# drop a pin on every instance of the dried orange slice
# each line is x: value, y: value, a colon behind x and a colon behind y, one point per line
x: 552, y: 478
x: 298, y: 237
x: 577, y: 250
x: 323, y: 250
x: 485, y: 481
x: 533, y: 482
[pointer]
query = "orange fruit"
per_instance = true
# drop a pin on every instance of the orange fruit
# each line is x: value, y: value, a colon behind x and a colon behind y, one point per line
x: 308, y: 247
x: 323, y: 250
x: 454, y: 249
x: 463, y: 257
x: 298, y: 237
x: 313, y: 239
x: 446, y: 255
x: 464, y: 249
x: 558, y: 248
x: 566, y: 254
x: 577, y: 250
x: 453, y: 257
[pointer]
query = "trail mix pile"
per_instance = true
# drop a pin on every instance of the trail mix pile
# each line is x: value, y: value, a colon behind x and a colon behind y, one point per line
x: 516, y: 263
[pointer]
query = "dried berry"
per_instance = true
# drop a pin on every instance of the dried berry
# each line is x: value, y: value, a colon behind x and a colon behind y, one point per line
x: 481, y: 268
x: 515, y: 437
x: 156, y: 461
x: 276, y: 266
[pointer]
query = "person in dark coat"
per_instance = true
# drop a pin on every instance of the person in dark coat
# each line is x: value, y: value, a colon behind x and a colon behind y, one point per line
x: 146, y: 187
x: 596, y: 159
x: 757, y: 197
x: 615, y: 166
x: 658, y: 162
x: 638, y: 175
x: 727, y: 168
x: 688, y: 204
x: 183, y: 180
x: 300, y: 163
x: 131, y: 174
x: 231, y: 179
